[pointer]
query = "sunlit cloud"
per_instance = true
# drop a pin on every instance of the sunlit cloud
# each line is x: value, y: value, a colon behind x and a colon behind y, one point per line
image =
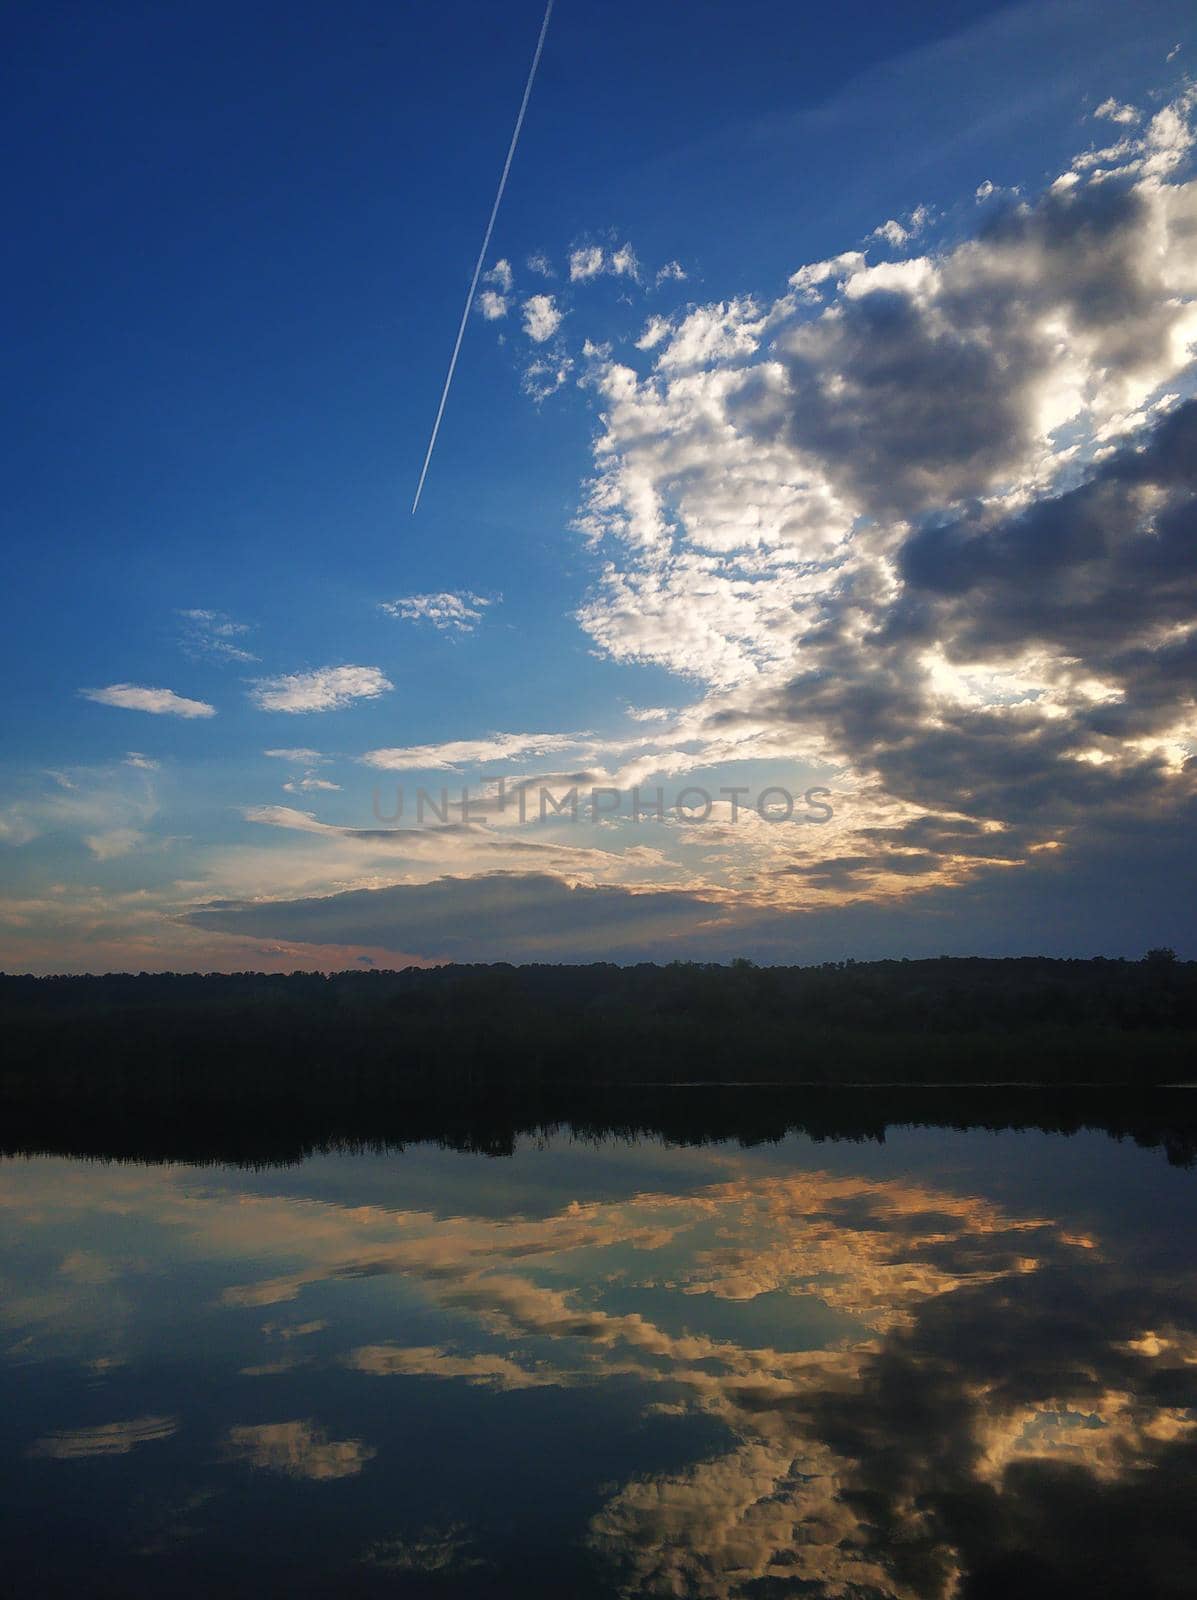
x: 297, y: 1449
x: 107, y: 1439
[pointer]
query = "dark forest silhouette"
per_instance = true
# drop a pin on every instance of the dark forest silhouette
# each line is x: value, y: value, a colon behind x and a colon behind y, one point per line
x: 258, y: 1067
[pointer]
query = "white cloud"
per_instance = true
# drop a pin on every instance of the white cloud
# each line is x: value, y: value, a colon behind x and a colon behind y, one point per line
x: 585, y: 263
x: 296, y: 821
x: 116, y: 842
x: 134, y: 758
x: 450, y: 611
x: 542, y: 317
x: 672, y: 271
x: 544, y: 377
x: 492, y: 306
x: 810, y: 279
x: 501, y: 276
x: 899, y: 233
x: 623, y: 263
x: 495, y: 302
x: 459, y: 753
x: 539, y: 263
x: 984, y: 190
x: 695, y: 619
x: 211, y: 633
x: 1114, y: 112
x: 590, y: 261
x: 892, y: 232
x: 159, y: 702
x: 655, y: 329
x: 299, y: 756
x: 717, y: 333
x: 325, y: 689
x: 307, y: 784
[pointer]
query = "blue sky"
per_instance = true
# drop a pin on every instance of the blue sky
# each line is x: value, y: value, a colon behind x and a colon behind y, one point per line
x: 241, y: 243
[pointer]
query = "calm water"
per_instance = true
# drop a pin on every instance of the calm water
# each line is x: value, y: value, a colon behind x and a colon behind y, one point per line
x: 957, y: 1364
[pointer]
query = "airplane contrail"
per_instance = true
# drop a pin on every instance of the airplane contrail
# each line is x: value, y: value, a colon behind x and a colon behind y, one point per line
x: 494, y: 211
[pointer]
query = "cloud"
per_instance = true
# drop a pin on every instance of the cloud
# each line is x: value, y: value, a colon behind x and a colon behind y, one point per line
x: 655, y: 329
x: 298, y: 756
x: 307, y: 784
x: 898, y: 233
x: 297, y: 1449
x: 540, y: 264
x: 592, y: 261
x: 671, y: 272
x: 455, y: 754
x: 623, y: 262
x: 431, y: 1361
x: 489, y: 917
x: 712, y: 334
x: 926, y: 519
x: 448, y: 1551
x: 542, y: 317
x: 543, y: 378
x: 116, y: 842
x: 108, y: 1439
x: 1114, y: 112
x: 211, y: 633
x: 492, y: 306
x: 501, y: 276
x: 159, y: 702
x: 134, y: 758
x: 449, y: 612
x: 811, y: 280
x: 494, y: 303
x: 585, y: 263
x: 105, y: 808
x: 325, y: 689
x: 308, y: 822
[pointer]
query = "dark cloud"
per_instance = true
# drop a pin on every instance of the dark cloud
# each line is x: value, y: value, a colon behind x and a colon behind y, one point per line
x: 1099, y: 1512
x: 490, y: 917
x: 1100, y: 584
x: 1089, y: 572
x: 922, y: 389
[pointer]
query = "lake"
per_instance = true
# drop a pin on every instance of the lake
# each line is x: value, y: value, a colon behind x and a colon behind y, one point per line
x: 949, y: 1363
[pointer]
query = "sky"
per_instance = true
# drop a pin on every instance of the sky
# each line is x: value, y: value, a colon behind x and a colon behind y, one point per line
x: 805, y: 569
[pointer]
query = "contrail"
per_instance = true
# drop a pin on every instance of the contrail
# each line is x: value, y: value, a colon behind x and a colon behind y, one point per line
x: 494, y: 211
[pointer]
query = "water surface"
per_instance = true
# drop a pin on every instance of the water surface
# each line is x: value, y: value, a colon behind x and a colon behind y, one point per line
x: 959, y: 1363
